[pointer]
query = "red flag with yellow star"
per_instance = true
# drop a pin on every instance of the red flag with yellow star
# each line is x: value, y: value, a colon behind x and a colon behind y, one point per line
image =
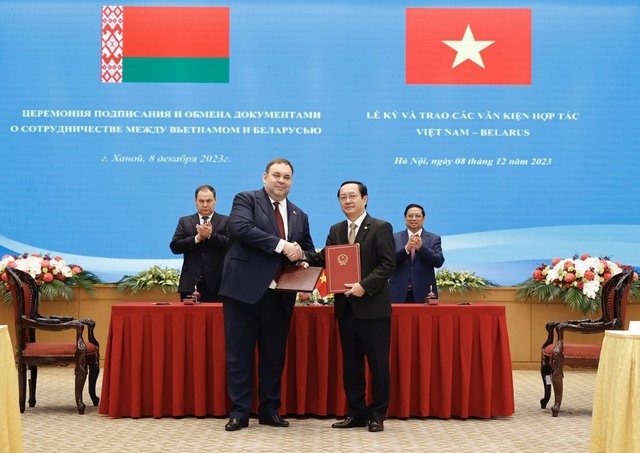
x: 321, y: 285
x: 468, y: 46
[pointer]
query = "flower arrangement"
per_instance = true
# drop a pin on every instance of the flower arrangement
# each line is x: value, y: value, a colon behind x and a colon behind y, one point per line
x: 155, y: 277
x: 447, y: 281
x: 577, y: 281
x: 460, y: 281
x: 314, y: 298
x: 55, y: 278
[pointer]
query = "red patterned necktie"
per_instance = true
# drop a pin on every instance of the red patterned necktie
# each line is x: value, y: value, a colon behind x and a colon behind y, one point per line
x: 276, y: 205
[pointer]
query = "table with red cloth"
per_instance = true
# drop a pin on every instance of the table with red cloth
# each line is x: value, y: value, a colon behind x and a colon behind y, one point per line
x: 446, y: 361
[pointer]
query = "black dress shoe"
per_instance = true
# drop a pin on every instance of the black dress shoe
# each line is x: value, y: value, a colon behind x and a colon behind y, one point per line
x: 273, y: 420
x: 375, y: 426
x: 235, y: 424
x: 350, y: 422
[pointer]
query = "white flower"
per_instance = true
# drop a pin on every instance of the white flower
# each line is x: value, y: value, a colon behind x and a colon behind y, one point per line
x: 591, y: 288
x: 33, y: 265
x: 554, y: 271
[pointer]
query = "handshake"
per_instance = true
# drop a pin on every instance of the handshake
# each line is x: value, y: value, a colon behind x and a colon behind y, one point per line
x: 293, y: 251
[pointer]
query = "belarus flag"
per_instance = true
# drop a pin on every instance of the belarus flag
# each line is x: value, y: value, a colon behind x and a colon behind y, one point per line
x: 468, y: 46
x: 165, y: 44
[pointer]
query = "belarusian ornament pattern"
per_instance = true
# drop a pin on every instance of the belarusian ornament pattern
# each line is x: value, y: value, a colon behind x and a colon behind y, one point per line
x: 112, y: 29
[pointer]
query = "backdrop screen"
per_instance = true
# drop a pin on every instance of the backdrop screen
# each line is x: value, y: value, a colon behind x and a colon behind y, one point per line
x: 514, y: 124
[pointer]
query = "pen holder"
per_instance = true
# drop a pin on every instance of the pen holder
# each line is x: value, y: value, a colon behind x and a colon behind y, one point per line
x: 431, y: 298
x: 189, y: 300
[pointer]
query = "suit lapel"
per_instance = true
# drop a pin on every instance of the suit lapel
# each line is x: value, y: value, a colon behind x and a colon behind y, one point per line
x: 292, y: 218
x: 215, y: 220
x: 364, y: 229
x: 195, y: 220
x: 343, y: 236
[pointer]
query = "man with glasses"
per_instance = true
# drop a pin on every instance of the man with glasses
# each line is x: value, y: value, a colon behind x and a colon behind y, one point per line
x: 364, y: 311
x: 418, y: 253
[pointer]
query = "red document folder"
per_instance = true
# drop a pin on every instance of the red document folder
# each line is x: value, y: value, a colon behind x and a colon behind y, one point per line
x: 343, y: 266
x: 297, y: 278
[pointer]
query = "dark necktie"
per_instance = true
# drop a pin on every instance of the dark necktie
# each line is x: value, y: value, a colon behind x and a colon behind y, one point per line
x: 205, y: 219
x: 276, y: 205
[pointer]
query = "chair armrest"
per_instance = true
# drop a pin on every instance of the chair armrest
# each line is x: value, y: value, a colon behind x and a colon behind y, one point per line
x: 91, y: 324
x: 62, y: 318
x: 579, y: 321
x: 551, y: 325
x: 48, y: 320
x: 53, y: 326
x: 585, y: 328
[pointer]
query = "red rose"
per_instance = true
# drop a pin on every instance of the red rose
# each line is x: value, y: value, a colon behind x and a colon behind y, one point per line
x: 555, y: 261
x: 11, y: 264
x: 45, y: 264
x: 76, y: 269
x: 568, y: 264
x: 4, y: 277
x: 585, y: 256
x: 606, y: 276
x: 580, y: 284
x: 537, y: 275
x: 48, y: 277
x: 589, y: 275
x: 570, y: 278
x: 304, y: 297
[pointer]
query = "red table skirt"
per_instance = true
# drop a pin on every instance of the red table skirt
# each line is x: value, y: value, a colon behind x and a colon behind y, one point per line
x: 446, y: 361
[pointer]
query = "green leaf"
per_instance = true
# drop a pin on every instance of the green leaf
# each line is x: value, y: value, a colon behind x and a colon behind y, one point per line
x: 153, y: 278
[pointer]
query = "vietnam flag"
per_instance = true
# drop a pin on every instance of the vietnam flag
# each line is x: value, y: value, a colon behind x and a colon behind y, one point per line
x: 468, y: 46
x: 165, y: 44
x: 321, y: 285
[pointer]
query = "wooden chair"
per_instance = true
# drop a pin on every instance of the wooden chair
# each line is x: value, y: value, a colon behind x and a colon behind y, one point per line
x: 556, y: 354
x: 31, y: 353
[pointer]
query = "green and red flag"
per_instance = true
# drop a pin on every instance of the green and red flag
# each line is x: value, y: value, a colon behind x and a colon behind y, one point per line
x: 468, y: 46
x: 165, y: 44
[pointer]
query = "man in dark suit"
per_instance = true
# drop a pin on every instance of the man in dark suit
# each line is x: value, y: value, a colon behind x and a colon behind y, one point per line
x: 267, y: 232
x: 418, y: 253
x: 202, y: 241
x: 364, y: 311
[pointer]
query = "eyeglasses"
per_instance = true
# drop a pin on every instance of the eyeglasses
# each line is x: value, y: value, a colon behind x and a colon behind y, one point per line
x: 351, y: 196
x: 414, y: 216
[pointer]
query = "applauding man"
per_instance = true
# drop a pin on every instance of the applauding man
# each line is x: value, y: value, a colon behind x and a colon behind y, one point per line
x: 201, y: 239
